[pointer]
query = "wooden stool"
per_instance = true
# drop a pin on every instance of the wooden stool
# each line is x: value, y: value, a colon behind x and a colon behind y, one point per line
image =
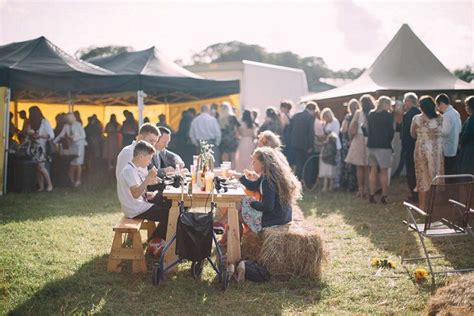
x: 135, y: 253
x: 149, y: 226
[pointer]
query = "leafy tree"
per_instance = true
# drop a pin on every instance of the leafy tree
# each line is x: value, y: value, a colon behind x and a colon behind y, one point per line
x: 103, y: 51
x: 314, y: 67
x: 464, y: 73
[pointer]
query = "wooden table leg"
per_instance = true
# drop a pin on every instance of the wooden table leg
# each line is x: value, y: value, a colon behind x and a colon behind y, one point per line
x: 233, y: 236
x: 170, y: 255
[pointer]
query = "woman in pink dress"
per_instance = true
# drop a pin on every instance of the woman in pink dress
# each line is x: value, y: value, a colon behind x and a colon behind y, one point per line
x: 246, y: 132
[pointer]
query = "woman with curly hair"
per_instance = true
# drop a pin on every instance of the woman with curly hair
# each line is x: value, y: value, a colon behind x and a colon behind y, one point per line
x: 278, y: 186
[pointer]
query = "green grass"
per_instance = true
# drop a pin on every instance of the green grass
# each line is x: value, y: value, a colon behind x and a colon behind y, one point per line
x: 54, y: 251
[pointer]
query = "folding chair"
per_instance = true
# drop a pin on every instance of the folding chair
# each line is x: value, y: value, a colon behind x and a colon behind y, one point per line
x: 446, y: 215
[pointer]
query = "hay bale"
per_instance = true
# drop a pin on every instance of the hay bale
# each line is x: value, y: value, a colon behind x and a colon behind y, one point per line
x: 457, y: 298
x: 294, y: 249
x: 251, y: 246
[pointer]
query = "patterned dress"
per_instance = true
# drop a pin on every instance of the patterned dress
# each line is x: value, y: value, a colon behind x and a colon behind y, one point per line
x: 429, y: 160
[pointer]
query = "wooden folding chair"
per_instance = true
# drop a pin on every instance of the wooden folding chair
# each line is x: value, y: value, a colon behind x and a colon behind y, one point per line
x: 446, y: 215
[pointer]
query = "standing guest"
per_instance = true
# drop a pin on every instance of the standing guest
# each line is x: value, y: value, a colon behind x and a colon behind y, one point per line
x: 229, y: 126
x: 61, y: 120
x: 329, y: 159
x: 278, y: 186
x: 94, y: 140
x: 183, y: 145
x: 164, y: 160
x: 74, y: 131
x: 246, y: 131
x: 348, y: 173
x: 77, y: 115
x: 214, y: 112
x: 272, y: 122
x: 319, y: 139
x: 132, y: 190
x: 112, y: 141
x: 129, y: 128
x: 451, y: 129
x: 301, y: 136
x: 269, y: 139
x: 255, y: 118
x: 466, y: 140
x: 332, y: 125
x: 12, y: 130
x: 285, y: 109
x: 162, y: 122
x: 206, y: 127
x: 148, y: 133
x: 427, y: 129
x: 410, y: 101
x: 357, y: 154
x: 38, y: 132
x: 380, y: 135
x: 22, y: 133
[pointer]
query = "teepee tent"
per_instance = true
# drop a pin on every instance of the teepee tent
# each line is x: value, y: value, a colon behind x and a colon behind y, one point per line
x: 405, y: 64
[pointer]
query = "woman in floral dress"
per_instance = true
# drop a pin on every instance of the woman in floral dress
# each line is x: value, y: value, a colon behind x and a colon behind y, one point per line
x: 429, y: 161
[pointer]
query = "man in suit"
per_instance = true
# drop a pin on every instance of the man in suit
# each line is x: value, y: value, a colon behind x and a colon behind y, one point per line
x: 164, y: 160
x: 410, y: 101
x: 301, y: 136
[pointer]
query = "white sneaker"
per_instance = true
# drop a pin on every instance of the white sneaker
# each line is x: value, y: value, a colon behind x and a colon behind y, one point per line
x: 241, y: 271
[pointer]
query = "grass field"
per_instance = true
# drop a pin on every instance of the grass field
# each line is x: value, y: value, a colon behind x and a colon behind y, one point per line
x: 54, y: 251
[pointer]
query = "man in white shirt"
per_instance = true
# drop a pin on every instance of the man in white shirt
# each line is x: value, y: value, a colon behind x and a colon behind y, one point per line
x: 132, y: 189
x: 206, y: 127
x: 148, y: 133
x: 451, y: 129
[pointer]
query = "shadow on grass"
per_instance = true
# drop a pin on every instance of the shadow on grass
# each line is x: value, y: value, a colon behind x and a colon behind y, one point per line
x: 96, y: 195
x: 93, y: 290
x: 381, y: 223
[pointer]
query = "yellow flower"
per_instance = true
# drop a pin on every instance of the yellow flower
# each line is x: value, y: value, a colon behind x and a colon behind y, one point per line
x: 375, y: 262
x: 421, y: 274
x: 391, y: 264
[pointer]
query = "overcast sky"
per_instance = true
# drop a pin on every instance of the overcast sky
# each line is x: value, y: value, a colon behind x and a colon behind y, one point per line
x: 346, y: 33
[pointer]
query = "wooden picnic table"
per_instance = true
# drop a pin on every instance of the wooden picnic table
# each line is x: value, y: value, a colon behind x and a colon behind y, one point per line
x: 200, y: 199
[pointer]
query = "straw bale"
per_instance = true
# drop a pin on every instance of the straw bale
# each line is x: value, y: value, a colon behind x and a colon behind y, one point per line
x: 457, y: 298
x: 294, y: 249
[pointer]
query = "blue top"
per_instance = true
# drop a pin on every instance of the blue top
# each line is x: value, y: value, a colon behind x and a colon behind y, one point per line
x: 451, y: 129
x: 273, y: 212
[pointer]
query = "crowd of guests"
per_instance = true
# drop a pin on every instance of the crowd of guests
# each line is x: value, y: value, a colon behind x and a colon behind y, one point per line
x: 354, y: 154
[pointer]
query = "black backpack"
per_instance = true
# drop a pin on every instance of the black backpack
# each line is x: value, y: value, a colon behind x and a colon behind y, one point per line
x: 255, y: 272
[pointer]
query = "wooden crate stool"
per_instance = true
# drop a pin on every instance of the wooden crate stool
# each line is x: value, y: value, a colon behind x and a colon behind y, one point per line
x: 135, y: 253
x: 149, y: 226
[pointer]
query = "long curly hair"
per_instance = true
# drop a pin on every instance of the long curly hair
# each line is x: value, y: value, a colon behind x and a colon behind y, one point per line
x: 278, y: 173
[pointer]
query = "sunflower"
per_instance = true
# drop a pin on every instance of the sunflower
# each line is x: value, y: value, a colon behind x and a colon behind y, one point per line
x: 375, y: 262
x: 420, y: 274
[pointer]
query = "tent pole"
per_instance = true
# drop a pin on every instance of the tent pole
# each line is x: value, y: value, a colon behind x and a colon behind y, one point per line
x: 141, y: 105
x: 5, y: 140
x: 15, y: 113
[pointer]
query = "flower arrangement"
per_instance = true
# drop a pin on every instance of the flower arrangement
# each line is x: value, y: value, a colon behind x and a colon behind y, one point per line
x: 382, y: 263
x: 420, y: 274
x: 206, y: 156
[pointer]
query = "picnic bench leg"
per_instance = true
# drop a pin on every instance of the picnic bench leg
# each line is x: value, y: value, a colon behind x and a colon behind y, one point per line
x: 150, y: 227
x: 170, y: 255
x: 233, y: 236
x: 113, y: 265
x: 138, y: 263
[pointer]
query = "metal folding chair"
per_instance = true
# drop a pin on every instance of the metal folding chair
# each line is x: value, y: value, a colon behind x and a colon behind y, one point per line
x: 449, y: 205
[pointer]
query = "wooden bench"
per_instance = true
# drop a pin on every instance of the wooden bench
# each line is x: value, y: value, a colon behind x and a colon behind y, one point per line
x: 121, y: 252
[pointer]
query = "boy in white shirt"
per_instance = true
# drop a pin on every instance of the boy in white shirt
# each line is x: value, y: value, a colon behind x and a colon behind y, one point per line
x: 132, y: 190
